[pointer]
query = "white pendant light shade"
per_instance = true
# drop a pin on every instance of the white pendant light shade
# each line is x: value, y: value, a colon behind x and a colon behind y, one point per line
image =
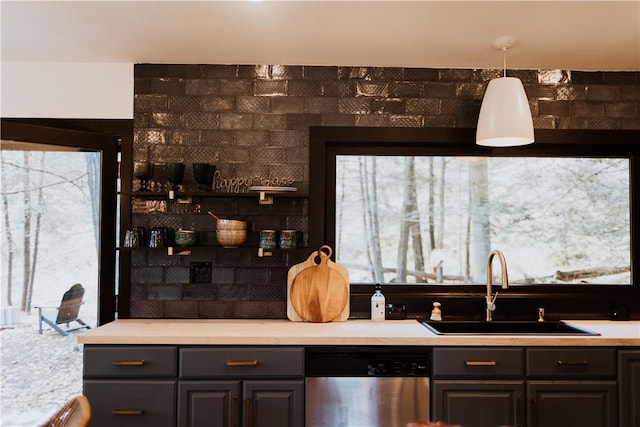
x: 505, y: 117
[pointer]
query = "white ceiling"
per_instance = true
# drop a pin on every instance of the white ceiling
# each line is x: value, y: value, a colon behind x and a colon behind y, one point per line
x: 570, y: 34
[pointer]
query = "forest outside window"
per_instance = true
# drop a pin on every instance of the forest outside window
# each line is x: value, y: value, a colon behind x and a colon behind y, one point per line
x: 420, y: 209
x: 434, y: 219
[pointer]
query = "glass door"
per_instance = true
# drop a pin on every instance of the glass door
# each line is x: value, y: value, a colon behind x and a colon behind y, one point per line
x: 57, y: 216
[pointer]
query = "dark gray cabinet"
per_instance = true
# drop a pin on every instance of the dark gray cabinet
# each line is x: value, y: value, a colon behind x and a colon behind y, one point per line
x: 131, y: 385
x: 480, y: 387
x: 572, y: 403
x: 274, y: 403
x: 261, y: 403
x: 241, y: 386
x: 572, y: 387
x: 535, y: 387
x: 481, y: 403
x: 132, y: 403
x: 221, y: 386
x: 629, y: 387
x: 206, y: 403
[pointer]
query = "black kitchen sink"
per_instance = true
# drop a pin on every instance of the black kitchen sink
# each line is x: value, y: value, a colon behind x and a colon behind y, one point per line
x: 500, y: 327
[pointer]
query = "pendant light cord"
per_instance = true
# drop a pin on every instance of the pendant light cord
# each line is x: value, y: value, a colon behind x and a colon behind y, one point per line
x: 504, y: 60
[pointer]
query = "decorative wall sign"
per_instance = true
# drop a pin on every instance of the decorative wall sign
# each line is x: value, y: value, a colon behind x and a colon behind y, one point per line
x: 242, y: 184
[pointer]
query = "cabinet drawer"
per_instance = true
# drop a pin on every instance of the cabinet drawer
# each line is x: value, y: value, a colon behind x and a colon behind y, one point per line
x: 130, y: 361
x: 131, y: 403
x: 478, y: 362
x: 571, y: 362
x: 241, y: 362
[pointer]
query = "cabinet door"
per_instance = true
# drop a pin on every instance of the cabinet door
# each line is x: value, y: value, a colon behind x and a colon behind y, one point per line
x: 208, y: 403
x: 274, y: 403
x: 629, y: 387
x: 572, y: 403
x: 478, y: 403
x: 131, y: 403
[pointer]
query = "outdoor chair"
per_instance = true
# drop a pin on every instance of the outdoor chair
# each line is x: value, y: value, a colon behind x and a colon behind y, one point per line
x: 76, y: 412
x: 67, y: 312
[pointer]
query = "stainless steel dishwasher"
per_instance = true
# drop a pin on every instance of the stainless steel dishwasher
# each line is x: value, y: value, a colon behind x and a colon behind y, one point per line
x: 367, y: 386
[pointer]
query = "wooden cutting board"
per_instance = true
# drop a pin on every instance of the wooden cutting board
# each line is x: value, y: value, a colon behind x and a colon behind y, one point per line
x: 293, y: 272
x: 318, y: 289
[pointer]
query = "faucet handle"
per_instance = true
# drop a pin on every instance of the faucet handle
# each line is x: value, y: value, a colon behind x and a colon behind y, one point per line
x: 491, y: 302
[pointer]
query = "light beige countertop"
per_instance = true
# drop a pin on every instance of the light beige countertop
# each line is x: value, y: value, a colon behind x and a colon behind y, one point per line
x: 351, y: 332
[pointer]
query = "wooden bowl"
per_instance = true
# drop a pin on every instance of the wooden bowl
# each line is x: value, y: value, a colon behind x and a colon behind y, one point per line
x: 231, y: 238
x: 231, y: 224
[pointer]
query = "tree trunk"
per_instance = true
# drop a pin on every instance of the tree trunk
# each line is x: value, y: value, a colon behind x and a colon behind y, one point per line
x: 26, y: 273
x: 431, y: 207
x: 9, y: 237
x: 340, y: 180
x: 569, y: 276
x: 36, y: 234
x: 416, y: 232
x: 441, y: 207
x: 480, y: 237
x: 405, y: 222
x: 93, y: 174
x: 368, y: 180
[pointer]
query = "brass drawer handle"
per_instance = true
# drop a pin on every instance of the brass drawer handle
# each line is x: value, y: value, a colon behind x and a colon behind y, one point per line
x: 480, y: 363
x: 573, y: 362
x: 247, y: 363
x: 126, y: 412
x: 127, y: 363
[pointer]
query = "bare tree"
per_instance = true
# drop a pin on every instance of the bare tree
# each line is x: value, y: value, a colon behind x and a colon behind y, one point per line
x: 370, y: 204
x: 409, y: 226
x: 26, y: 273
x: 36, y: 235
x: 479, y: 237
x: 341, y: 181
x: 9, y: 237
x: 405, y: 220
x: 416, y: 232
x: 441, y: 185
x: 431, y: 206
x: 93, y: 175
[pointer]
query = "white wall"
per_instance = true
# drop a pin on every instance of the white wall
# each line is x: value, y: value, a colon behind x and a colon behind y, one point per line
x: 66, y: 90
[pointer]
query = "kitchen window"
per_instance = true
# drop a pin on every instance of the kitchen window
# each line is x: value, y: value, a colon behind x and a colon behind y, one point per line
x: 419, y: 210
x: 434, y: 219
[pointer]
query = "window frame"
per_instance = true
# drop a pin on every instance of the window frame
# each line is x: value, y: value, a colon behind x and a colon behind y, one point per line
x: 104, y: 136
x: 595, y: 301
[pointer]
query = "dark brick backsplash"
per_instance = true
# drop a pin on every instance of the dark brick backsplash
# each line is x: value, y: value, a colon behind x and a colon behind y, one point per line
x: 254, y: 119
x: 587, y: 109
x: 164, y: 292
x: 181, y: 309
x: 587, y: 77
x: 554, y: 108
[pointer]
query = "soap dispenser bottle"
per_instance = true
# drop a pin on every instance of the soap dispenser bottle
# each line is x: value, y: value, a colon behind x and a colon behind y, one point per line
x: 377, y: 304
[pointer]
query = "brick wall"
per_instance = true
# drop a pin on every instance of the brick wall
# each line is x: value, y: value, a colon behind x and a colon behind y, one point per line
x: 254, y: 119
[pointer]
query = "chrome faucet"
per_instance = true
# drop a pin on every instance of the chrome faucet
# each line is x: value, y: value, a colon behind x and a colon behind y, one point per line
x: 491, y: 299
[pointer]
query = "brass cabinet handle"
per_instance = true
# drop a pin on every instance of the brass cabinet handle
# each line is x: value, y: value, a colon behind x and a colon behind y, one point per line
x: 534, y: 412
x: 127, y: 412
x: 245, y: 363
x: 573, y: 362
x: 127, y: 363
x: 480, y: 363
